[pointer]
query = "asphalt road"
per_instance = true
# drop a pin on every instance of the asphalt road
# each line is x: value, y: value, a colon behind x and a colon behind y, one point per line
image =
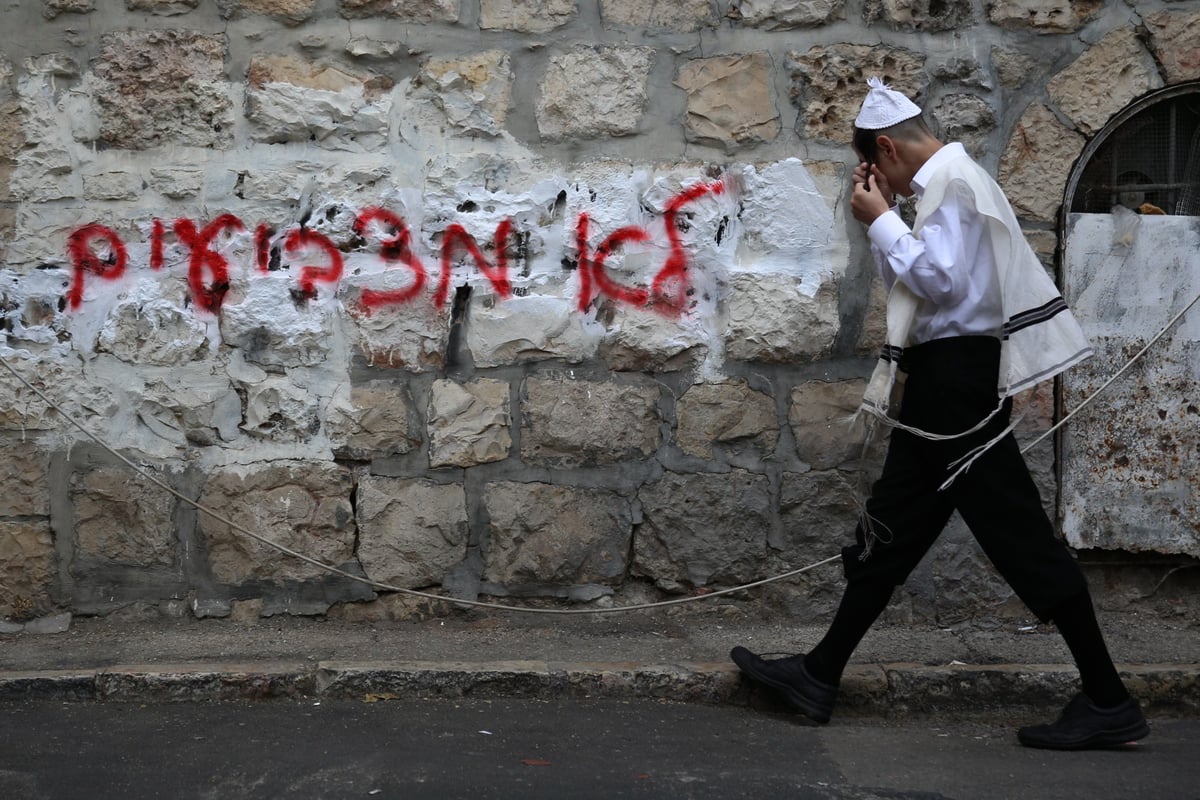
x: 438, y: 748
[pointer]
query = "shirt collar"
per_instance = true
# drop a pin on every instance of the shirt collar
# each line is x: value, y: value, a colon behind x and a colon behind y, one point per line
x: 944, y: 155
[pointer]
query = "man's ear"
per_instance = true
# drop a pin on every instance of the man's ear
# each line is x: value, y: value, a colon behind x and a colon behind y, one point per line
x: 886, y: 145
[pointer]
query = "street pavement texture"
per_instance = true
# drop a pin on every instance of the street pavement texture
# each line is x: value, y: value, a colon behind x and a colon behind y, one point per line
x: 565, y: 748
x: 675, y: 654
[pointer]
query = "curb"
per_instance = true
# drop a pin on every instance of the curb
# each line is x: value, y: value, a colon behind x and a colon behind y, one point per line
x: 867, y: 690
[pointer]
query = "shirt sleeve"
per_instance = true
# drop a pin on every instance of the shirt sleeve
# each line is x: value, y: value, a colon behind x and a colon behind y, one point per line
x: 932, y: 262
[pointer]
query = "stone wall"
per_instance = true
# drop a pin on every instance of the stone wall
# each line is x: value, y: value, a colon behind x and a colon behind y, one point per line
x: 509, y: 298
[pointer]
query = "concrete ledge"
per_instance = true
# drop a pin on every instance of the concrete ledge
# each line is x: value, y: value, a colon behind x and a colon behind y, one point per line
x: 867, y: 690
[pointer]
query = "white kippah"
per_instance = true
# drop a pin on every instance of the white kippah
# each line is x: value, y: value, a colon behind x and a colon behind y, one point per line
x: 884, y: 107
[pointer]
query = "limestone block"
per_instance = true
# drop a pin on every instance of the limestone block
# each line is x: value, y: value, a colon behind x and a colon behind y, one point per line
x: 469, y: 423
x: 571, y: 423
x: 279, y: 410
x: 55, y: 7
x: 526, y: 16
x: 729, y: 100
x: 963, y: 70
x: 473, y: 91
x: 273, y: 331
x: 291, y: 100
x: 1044, y: 16
x: 27, y: 567
x: 177, y: 183
x: 43, y: 166
x: 304, y: 506
x: 820, y: 414
x: 412, y: 335
x: 699, y: 530
x: 410, y: 531
x: 643, y: 340
x: 594, y: 91
x: 872, y: 335
x: 112, y: 185
x: 292, y: 12
x: 163, y: 8
x: 1106, y: 78
x: 830, y: 81
x: 1036, y: 163
x: 203, y: 405
x: 799, y: 238
x: 1175, y: 39
x: 371, y: 420
x: 21, y: 410
x: 123, y: 518
x: 1013, y: 67
x: 162, y: 87
x: 366, y: 47
x: 729, y: 414
x: 558, y: 535
x: 8, y: 223
x: 774, y: 317
x: 919, y: 15
x: 422, y: 11
x: 26, y: 491
x: 685, y: 16
x: 531, y: 328
x: 818, y: 511
x: 782, y: 15
x: 153, y: 330
x: 966, y: 118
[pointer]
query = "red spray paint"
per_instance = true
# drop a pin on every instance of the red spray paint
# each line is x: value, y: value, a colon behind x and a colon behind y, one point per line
x: 456, y: 237
x: 206, y: 260
x: 84, y: 257
x: 396, y: 248
x: 302, y: 239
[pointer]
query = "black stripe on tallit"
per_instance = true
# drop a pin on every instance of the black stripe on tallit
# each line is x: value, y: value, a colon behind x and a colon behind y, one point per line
x: 1034, y: 316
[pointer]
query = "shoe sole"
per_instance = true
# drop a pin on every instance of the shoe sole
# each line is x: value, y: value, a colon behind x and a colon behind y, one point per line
x: 798, y: 701
x: 1114, y: 738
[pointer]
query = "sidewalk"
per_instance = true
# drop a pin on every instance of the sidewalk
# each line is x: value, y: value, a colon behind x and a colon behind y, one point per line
x: 1012, y: 668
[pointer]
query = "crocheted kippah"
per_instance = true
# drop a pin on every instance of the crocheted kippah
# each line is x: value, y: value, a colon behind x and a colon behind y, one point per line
x: 884, y: 107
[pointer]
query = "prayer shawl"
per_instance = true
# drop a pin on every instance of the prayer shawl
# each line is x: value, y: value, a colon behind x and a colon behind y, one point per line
x: 1040, y: 337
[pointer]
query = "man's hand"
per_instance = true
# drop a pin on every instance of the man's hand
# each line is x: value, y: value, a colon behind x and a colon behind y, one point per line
x: 869, y: 205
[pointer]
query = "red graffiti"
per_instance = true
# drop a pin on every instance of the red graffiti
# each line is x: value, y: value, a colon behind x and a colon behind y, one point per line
x: 99, y: 251
x: 205, y: 259
x: 303, y: 239
x: 156, y: 245
x: 669, y: 287
x: 591, y: 270
x: 86, y: 259
x: 262, y: 246
x: 396, y: 248
x: 455, y: 237
x: 671, y: 283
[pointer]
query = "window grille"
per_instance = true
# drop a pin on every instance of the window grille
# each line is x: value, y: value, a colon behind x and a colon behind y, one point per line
x: 1148, y: 160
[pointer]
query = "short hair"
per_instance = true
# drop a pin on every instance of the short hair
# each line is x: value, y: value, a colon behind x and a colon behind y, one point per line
x: 911, y: 130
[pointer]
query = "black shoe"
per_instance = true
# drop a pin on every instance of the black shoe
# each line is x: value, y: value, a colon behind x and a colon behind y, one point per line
x: 1083, y: 726
x: 808, y: 695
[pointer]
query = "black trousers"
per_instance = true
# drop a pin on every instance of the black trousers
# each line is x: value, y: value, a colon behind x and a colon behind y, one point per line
x: 951, y: 386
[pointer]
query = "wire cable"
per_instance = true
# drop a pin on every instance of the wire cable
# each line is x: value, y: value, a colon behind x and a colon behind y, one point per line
x: 501, y: 606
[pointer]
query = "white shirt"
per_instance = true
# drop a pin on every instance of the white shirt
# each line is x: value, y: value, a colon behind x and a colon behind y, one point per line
x: 948, y: 263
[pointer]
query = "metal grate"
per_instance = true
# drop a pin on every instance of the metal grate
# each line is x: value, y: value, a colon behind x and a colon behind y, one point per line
x: 1150, y: 163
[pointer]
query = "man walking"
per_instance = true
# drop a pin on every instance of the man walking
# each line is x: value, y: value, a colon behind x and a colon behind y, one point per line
x: 972, y: 320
